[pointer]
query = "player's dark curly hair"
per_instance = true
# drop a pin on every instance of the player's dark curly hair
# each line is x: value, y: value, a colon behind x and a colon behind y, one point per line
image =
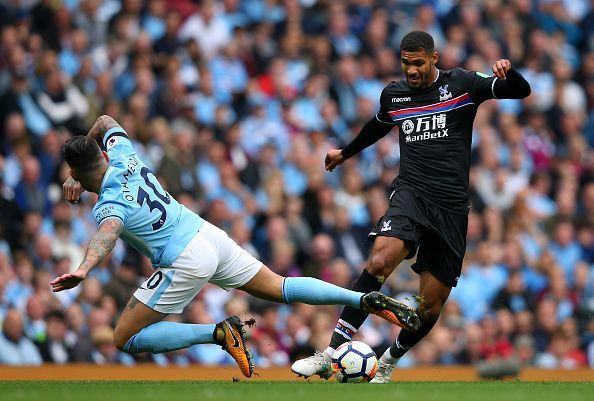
x: 82, y: 153
x: 417, y: 40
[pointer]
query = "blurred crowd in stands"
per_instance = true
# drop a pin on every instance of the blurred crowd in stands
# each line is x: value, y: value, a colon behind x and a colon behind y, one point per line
x: 233, y: 104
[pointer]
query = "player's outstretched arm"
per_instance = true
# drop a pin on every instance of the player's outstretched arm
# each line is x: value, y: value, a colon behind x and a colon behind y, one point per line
x: 372, y: 131
x: 510, y: 83
x: 101, y: 126
x: 101, y: 244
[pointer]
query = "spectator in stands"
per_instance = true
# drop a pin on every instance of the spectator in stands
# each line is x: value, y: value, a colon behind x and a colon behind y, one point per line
x: 514, y: 297
x: 35, y: 324
x: 29, y: 193
x: 104, y: 351
x: 15, y: 348
x: 207, y: 28
x: 54, y: 348
x: 63, y: 103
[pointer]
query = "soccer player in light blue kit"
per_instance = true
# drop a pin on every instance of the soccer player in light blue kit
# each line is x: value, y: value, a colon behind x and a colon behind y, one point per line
x: 186, y: 251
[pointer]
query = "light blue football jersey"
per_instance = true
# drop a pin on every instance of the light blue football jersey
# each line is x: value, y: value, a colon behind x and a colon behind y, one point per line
x: 155, y: 224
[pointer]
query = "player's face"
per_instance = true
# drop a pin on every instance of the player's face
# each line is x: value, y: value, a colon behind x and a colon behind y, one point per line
x: 419, y: 68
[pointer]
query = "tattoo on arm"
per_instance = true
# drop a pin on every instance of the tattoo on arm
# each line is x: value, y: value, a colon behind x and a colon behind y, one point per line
x: 101, y: 126
x: 102, y: 243
x: 132, y: 303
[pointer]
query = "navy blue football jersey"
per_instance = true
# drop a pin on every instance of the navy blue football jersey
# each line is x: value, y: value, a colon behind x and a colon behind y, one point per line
x: 435, y: 133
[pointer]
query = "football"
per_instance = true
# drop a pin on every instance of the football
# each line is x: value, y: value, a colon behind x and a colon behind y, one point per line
x: 354, y: 362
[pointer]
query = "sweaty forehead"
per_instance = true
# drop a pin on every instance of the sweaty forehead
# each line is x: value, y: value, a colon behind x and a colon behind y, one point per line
x: 411, y: 56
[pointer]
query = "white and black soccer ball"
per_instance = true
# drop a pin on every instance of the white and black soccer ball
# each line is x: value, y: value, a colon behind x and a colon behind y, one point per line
x: 354, y: 362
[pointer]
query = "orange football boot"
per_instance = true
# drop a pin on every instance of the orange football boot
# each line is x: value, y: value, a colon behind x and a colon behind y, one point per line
x: 234, y: 343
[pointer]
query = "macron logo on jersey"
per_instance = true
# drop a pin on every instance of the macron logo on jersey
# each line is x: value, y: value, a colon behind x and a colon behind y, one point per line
x: 401, y: 99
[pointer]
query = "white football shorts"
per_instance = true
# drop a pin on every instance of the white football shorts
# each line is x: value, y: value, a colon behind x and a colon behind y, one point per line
x: 210, y: 257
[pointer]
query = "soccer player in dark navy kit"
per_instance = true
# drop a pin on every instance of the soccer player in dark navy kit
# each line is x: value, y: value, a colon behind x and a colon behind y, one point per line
x: 428, y: 214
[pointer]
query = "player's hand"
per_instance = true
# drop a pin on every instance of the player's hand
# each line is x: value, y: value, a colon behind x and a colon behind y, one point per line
x: 333, y: 158
x: 501, y: 67
x: 72, y: 190
x: 68, y: 280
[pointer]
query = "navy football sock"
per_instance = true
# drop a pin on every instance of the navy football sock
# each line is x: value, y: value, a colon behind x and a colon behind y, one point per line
x: 351, y: 318
x: 408, y: 339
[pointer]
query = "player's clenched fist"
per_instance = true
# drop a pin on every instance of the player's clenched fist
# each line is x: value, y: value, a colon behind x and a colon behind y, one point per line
x: 333, y: 158
x: 72, y: 190
x: 501, y: 67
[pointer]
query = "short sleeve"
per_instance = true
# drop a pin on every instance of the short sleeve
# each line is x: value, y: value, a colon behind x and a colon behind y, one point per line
x: 480, y: 86
x: 383, y: 114
x: 113, y: 202
x: 107, y: 210
x: 117, y: 144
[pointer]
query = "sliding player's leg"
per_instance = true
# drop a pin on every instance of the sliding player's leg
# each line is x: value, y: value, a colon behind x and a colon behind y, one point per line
x: 168, y: 291
x: 238, y: 269
x: 140, y: 329
x: 270, y: 286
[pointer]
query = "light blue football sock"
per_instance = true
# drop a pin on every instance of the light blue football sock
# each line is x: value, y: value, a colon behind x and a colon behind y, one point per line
x: 317, y: 292
x: 169, y: 336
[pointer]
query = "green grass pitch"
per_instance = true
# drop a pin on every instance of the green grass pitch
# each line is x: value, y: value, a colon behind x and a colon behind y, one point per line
x: 293, y: 391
